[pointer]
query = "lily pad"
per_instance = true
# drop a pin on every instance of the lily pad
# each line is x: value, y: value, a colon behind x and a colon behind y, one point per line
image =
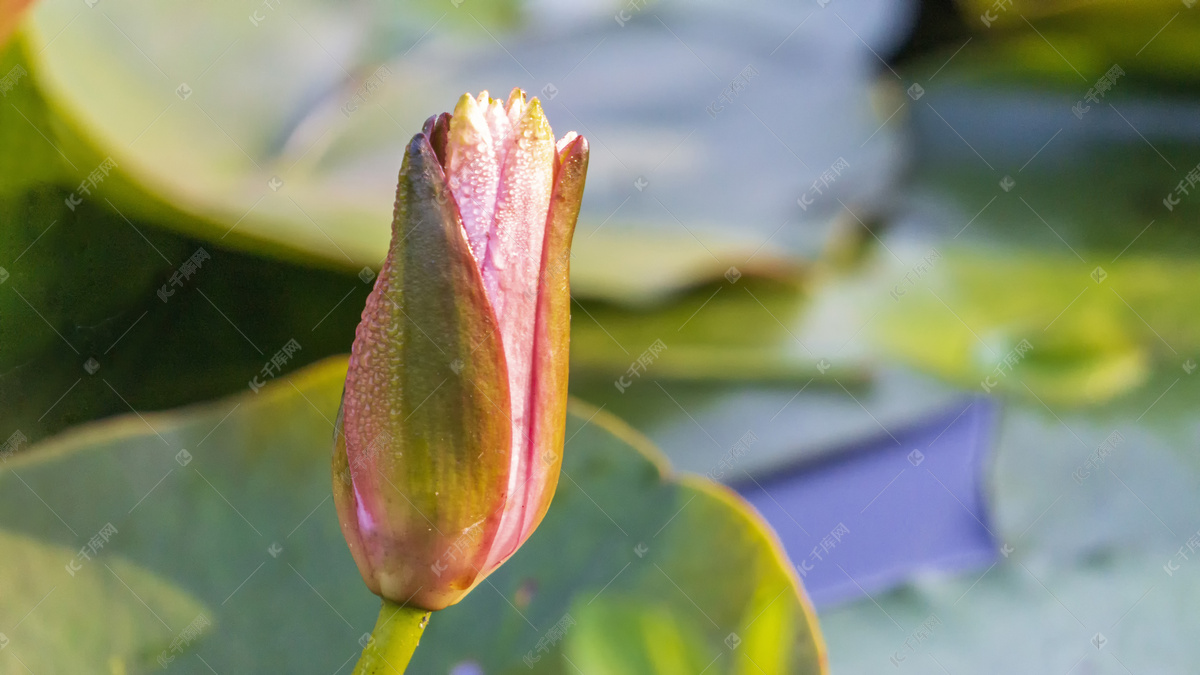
x: 280, y: 128
x: 230, y: 501
x: 1096, y: 514
x: 147, y: 336
x: 739, y: 329
x: 1060, y: 40
x: 697, y: 423
x: 89, y: 613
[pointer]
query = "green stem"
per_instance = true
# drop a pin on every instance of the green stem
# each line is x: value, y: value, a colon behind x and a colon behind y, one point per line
x: 395, y: 638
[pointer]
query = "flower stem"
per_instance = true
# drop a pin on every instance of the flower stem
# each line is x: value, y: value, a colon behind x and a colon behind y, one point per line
x: 395, y: 638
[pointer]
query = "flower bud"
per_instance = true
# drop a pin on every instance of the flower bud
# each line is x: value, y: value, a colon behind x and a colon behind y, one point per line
x: 449, y: 440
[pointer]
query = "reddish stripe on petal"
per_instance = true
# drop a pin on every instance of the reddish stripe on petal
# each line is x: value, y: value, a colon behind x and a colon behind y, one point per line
x: 552, y: 340
x: 511, y: 274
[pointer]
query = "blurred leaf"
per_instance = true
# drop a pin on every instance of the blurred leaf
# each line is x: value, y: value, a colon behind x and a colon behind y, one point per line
x: 1088, y: 341
x: 628, y: 635
x: 80, y: 291
x: 752, y: 354
x: 697, y: 423
x: 230, y: 501
x: 745, y: 330
x: 307, y: 173
x: 1078, y: 255
x: 1094, y: 548
x: 642, y: 266
x: 83, y: 283
x: 199, y: 165
x: 110, y: 616
x: 1097, y: 196
x: 29, y: 159
x: 1064, y: 38
x: 209, y: 519
x: 217, y: 330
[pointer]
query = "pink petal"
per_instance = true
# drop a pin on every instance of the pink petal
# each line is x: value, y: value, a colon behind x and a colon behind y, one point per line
x: 500, y: 128
x: 513, y: 265
x: 473, y: 172
x: 548, y: 397
x: 516, y: 107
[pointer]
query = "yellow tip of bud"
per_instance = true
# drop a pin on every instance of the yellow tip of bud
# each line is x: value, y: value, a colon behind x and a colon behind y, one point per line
x: 533, y: 119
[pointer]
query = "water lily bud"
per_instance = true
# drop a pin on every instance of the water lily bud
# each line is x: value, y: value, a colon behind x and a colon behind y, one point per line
x: 449, y: 441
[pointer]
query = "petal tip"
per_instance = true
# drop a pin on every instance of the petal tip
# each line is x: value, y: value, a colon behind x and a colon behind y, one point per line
x: 419, y: 150
x: 534, y: 119
x: 466, y: 105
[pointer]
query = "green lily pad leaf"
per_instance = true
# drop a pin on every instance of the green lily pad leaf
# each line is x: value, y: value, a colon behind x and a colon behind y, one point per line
x: 739, y: 329
x: 1096, y: 512
x: 1083, y: 37
x: 628, y: 635
x: 639, y: 265
x: 155, y: 353
x: 185, y: 158
x: 724, y: 331
x: 73, y: 350
x: 231, y: 501
x: 1078, y: 253
x: 1061, y: 331
x: 308, y: 171
x: 69, y: 612
x: 29, y: 160
x: 153, y: 335
x: 696, y: 423
x: 1085, y: 344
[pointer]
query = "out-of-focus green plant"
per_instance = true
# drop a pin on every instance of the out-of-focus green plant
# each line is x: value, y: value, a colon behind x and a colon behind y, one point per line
x: 60, y: 632
x: 1086, y: 344
x: 1066, y: 40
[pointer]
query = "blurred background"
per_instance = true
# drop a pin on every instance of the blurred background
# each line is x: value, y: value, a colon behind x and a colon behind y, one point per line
x: 917, y: 279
